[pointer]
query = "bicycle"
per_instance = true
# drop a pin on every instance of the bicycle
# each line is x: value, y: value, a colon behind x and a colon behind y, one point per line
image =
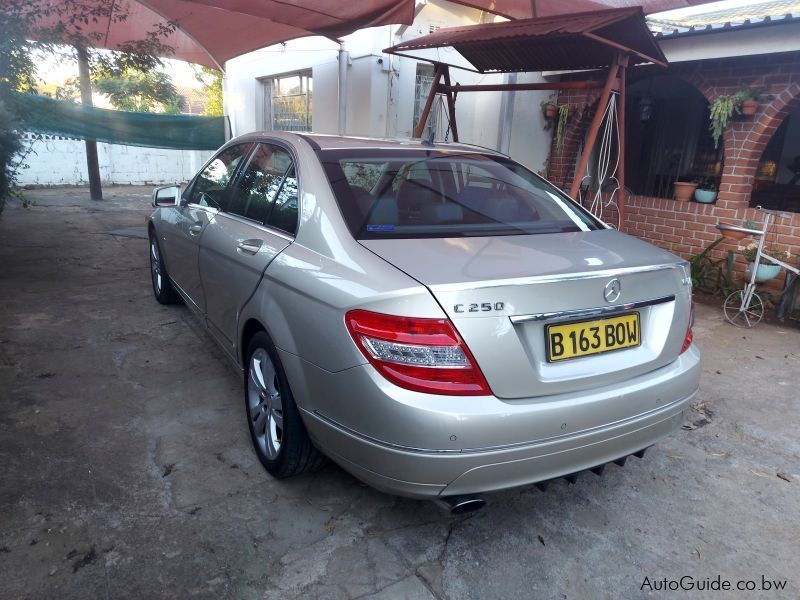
x: 745, y: 308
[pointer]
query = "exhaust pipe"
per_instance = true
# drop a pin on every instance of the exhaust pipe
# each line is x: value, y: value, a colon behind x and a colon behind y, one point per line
x: 459, y: 505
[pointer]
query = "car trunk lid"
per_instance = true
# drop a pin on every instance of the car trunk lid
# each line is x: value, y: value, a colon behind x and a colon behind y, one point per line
x: 502, y: 292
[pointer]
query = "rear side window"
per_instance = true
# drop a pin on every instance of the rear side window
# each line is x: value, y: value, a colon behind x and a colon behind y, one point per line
x: 210, y: 186
x: 438, y: 193
x: 258, y: 186
x: 283, y: 215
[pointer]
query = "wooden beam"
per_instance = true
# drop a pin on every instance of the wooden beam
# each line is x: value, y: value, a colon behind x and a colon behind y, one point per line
x: 591, y: 137
x: 451, y: 104
x: 507, y: 87
x: 437, y: 75
x: 602, y: 40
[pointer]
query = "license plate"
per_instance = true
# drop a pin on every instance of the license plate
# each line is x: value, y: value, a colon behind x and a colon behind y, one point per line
x: 572, y: 340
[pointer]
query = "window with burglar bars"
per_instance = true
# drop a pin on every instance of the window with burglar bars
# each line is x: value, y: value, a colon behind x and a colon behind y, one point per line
x: 437, y: 120
x: 288, y: 102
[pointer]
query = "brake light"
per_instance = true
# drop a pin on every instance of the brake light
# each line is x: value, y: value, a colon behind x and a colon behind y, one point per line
x: 424, y: 355
x: 687, y: 341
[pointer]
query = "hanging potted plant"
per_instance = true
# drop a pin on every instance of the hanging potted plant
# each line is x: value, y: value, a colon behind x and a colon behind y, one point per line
x: 549, y: 110
x: 683, y: 190
x: 563, y: 115
x: 720, y: 112
x: 724, y: 226
x: 766, y: 270
x: 748, y: 99
x: 706, y: 191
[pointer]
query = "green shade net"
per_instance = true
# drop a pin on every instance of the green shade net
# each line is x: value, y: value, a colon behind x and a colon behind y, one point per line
x: 179, y: 132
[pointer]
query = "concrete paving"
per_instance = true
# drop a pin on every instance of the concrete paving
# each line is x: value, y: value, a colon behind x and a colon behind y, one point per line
x: 126, y: 469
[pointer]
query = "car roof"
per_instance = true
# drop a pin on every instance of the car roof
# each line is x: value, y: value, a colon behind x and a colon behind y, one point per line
x: 338, y: 142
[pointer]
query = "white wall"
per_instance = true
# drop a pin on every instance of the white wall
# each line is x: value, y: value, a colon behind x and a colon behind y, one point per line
x: 59, y: 161
x: 380, y: 87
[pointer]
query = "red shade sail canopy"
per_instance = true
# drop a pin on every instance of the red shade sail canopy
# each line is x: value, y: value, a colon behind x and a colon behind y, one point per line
x: 210, y: 32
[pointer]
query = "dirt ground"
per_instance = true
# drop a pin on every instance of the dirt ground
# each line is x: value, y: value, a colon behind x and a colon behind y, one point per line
x: 126, y: 469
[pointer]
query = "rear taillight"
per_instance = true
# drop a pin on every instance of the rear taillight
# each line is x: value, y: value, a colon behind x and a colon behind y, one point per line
x: 687, y: 341
x: 424, y: 355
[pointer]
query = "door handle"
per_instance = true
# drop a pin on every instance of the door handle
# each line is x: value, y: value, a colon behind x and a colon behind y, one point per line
x: 249, y: 246
x: 195, y: 229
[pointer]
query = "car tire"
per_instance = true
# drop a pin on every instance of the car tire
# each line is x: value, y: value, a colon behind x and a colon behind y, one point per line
x: 162, y: 286
x: 276, y: 429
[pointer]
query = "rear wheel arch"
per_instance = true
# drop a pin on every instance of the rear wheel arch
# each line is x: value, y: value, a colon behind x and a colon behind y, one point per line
x: 251, y: 327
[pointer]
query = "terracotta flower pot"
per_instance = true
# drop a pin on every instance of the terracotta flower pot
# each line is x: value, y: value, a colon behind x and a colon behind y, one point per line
x: 684, y: 190
x: 732, y: 235
x: 749, y: 107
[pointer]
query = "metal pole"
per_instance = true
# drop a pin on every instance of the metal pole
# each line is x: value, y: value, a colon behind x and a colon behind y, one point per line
x: 591, y: 137
x: 92, y: 162
x: 451, y: 105
x: 437, y: 75
x: 623, y: 63
x: 342, y: 83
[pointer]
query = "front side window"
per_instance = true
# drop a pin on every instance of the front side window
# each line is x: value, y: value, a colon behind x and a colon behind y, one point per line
x: 435, y: 193
x: 259, y: 183
x: 210, y: 186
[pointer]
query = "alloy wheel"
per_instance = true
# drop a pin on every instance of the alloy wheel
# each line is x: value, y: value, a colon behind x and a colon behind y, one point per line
x: 265, y: 407
x: 155, y: 265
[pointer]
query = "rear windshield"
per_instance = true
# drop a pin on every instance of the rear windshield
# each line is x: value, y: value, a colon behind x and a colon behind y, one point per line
x: 403, y: 193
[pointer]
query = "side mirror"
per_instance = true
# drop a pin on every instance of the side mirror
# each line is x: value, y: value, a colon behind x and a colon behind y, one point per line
x: 167, y: 195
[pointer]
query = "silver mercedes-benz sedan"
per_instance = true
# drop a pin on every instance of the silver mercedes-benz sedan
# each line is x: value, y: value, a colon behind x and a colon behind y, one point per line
x: 436, y: 319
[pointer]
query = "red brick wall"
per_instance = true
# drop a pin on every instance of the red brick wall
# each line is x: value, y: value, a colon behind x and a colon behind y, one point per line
x: 687, y: 228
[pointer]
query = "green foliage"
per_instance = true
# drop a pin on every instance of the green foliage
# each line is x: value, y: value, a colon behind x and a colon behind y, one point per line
x: 58, y: 29
x: 139, y: 91
x: 720, y: 112
x: 17, y: 74
x: 712, y: 276
x: 212, y: 90
x: 563, y: 114
x: 749, y: 93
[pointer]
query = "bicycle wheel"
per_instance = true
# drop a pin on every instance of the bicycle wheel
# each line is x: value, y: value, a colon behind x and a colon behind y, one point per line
x: 748, y: 317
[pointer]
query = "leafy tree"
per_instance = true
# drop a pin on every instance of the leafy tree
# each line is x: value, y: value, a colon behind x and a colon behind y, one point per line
x: 60, y: 28
x: 139, y: 91
x: 212, y: 90
x: 17, y: 74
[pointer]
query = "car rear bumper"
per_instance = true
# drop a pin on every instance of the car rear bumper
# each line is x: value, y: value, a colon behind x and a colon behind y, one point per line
x: 437, y: 458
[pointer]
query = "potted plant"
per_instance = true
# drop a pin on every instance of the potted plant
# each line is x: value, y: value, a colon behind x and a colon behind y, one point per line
x: 748, y: 99
x: 684, y: 190
x: 720, y: 112
x: 563, y: 115
x: 766, y: 270
x: 736, y: 235
x: 706, y: 191
x: 549, y: 110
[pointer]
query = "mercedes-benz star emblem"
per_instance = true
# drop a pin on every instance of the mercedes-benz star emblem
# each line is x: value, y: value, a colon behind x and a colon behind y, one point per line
x: 612, y: 290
